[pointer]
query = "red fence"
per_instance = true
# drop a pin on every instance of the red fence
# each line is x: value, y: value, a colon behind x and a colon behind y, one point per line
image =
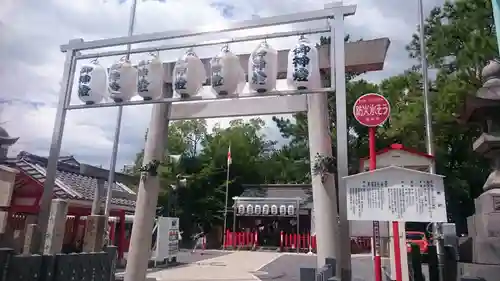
x: 290, y: 241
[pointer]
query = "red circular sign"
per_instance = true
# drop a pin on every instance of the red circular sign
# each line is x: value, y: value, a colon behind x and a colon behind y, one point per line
x: 371, y: 110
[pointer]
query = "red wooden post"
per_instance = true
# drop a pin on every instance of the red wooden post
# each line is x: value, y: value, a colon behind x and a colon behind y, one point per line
x: 121, y: 241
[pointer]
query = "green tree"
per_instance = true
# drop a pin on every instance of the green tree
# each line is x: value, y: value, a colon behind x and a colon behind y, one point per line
x: 459, y: 40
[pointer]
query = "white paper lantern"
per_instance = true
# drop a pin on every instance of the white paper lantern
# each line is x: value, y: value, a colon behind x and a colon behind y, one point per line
x: 282, y: 210
x: 189, y: 75
x: 122, y: 81
x: 92, y: 86
x: 241, y: 209
x: 263, y: 69
x: 274, y: 209
x: 258, y: 209
x: 249, y: 209
x: 303, y: 66
x: 150, y: 78
x: 291, y: 210
x: 265, y: 209
x: 227, y: 76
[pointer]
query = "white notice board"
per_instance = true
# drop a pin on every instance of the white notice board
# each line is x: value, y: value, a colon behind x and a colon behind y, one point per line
x: 396, y: 194
x: 167, y: 238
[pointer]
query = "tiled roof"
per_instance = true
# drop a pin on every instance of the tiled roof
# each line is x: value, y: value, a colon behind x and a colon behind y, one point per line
x: 70, y: 184
x: 303, y: 191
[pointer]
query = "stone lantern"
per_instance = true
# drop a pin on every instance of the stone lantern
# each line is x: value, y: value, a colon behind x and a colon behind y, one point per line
x: 5, y: 142
x: 481, y: 251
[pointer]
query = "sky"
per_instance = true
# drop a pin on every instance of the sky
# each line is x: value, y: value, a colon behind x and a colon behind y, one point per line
x: 31, y: 32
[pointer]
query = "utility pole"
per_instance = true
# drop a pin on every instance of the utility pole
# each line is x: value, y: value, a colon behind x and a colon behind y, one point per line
x: 436, y: 227
x: 116, y: 140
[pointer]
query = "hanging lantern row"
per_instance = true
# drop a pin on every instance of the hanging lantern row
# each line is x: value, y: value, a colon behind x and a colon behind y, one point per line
x: 250, y: 209
x: 227, y: 77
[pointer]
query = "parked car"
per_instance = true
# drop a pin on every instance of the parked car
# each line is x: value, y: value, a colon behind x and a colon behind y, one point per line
x: 418, y: 238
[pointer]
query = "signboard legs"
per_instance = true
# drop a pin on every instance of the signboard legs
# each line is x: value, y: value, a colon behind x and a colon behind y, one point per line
x: 397, y: 251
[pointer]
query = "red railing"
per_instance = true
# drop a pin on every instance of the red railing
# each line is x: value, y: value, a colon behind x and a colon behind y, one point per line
x: 241, y: 239
x: 290, y: 241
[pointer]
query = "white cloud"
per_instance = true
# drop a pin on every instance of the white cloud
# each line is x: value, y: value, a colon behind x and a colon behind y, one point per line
x: 31, y: 32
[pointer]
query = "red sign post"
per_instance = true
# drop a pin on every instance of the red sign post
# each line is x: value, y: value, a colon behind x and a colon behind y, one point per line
x: 372, y: 110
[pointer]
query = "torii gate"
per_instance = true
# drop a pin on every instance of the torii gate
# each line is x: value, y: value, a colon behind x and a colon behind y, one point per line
x: 360, y: 56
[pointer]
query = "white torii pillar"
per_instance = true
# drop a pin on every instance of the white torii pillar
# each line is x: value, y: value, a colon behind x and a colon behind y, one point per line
x: 333, y: 239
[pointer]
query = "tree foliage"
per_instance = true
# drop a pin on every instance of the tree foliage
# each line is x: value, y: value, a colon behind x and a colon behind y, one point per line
x: 459, y: 41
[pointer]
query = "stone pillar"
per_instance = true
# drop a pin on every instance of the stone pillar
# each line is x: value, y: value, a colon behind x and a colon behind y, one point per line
x: 323, y: 188
x: 30, y: 234
x: 56, y: 227
x: 94, y: 233
x: 98, y: 194
x: 147, y: 197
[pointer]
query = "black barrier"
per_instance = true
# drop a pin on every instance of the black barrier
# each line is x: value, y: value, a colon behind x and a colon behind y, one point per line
x: 325, y: 273
x: 61, y: 267
x: 415, y: 263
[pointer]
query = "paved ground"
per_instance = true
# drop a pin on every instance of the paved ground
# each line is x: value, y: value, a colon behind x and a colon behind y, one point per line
x: 289, y: 264
x: 242, y: 266
x: 185, y: 258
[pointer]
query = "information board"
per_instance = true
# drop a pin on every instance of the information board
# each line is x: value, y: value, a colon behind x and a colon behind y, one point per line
x: 167, y: 239
x: 396, y: 194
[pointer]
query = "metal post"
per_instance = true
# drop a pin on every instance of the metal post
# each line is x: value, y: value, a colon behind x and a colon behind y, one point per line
x: 436, y: 229
x: 116, y: 140
x: 55, y: 147
x: 377, y: 260
x: 225, y: 208
x: 337, y: 57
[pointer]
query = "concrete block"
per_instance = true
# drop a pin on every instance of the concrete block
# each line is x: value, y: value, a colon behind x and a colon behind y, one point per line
x: 56, y: 227
x: 484, y: 271
x: 307, y: 274
x: 488, y: 202
x: 487, y: 225
x: 94, y: 233
x: 486, y: 250
x: 332, y: 262
x: 30, y: 236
